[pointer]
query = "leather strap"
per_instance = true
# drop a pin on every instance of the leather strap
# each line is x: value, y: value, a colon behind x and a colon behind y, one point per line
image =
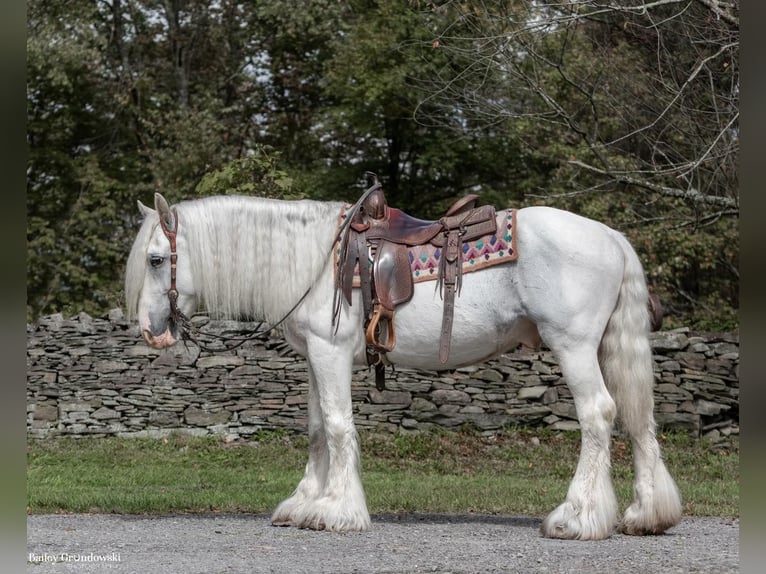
x: 446, y: 335
x: 450, y: 271
x: 364, y: 272
x: 359, y: 253
x: 171, y: 235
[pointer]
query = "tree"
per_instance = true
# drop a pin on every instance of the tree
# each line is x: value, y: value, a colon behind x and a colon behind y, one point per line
x: 70, y: 192
x: 367, y: 123
x: 125, y: 97
x: 296, y: 42
x: 598, y: 108
x: 636, y: 102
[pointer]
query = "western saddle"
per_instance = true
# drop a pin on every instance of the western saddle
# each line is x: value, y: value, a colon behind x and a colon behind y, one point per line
x: 374, y: 239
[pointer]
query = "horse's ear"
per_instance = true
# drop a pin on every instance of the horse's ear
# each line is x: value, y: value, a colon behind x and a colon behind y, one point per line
x: 163, y: 209
x: 145, y: 211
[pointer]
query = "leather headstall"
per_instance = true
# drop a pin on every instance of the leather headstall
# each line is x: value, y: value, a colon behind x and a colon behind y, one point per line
x: 176, y: 316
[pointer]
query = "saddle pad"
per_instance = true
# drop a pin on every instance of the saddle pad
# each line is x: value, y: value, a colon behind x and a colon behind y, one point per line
x: 492, y: 249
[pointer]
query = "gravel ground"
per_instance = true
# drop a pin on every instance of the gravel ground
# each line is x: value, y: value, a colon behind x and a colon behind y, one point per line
x: 410, y: 543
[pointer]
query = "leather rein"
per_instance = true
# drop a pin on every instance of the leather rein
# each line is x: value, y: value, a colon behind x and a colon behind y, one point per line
x: 178, y: 319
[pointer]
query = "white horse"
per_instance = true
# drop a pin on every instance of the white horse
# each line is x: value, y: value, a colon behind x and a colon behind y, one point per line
x: 577, y: 285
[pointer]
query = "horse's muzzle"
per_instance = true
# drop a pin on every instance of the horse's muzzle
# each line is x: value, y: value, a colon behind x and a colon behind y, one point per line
x: 161, y: 341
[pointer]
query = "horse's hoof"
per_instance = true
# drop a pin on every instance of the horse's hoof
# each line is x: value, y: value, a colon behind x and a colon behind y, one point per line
x: 566, y: 523
x: 638, y: 523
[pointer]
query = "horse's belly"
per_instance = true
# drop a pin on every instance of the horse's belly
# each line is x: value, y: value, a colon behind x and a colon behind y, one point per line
x: 487, y: 321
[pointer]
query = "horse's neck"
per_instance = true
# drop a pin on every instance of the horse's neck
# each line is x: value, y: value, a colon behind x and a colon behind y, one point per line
x: 256, y: 257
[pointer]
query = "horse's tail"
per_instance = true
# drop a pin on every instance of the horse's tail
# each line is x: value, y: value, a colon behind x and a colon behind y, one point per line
x: 625, y: 356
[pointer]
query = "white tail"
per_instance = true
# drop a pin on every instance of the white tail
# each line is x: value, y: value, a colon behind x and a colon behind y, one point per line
x: 625, y: 357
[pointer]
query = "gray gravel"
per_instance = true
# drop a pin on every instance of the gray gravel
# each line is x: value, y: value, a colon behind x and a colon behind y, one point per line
x: 410, y: 543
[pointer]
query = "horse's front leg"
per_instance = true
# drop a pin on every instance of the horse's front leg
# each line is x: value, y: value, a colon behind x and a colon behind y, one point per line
x: 292, y: 511
x: 332, y: 493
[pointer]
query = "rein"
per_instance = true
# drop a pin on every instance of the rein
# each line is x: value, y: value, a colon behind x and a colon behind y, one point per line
x: 187, y: 329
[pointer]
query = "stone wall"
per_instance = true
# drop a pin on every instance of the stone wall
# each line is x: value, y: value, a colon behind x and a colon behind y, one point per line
x: 88, y: 376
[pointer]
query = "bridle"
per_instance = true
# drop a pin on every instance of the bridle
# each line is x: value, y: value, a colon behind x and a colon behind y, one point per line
x: 175, y: 312
x: 178, y: 319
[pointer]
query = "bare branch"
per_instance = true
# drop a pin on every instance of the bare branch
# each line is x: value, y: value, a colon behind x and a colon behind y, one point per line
x: 723, y: 10
x: 688, y: 81
x: 705, y: 155
x: 649, y: 88
x: 687, y: 194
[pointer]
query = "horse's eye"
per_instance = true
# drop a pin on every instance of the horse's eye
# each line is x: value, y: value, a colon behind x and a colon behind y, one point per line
x: 156, y: 260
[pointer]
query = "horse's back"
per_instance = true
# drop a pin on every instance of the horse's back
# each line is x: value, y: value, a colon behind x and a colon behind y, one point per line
x: 562, y: 229
x: 566, y: 277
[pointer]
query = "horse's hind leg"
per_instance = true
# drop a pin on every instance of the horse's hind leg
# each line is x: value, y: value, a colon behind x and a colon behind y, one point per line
x: 657, y: 503
x: 626, y: 360
x: 590, y: 509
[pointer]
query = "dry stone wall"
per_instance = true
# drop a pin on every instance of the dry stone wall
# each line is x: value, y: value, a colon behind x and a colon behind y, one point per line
x: 95, y: 377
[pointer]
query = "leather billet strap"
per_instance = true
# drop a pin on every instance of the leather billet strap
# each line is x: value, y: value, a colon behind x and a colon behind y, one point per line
x: 449, y: 283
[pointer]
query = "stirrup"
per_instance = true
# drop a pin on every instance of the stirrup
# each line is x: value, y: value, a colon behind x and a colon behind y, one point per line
x: 372, y: 329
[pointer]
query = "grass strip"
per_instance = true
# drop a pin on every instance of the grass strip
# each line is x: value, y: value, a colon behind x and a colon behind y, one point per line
x: 517, y: 471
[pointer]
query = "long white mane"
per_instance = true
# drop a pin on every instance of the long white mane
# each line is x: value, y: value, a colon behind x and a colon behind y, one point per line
x: 249, y: 256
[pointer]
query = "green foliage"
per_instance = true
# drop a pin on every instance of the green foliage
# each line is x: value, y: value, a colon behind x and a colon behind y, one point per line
x: 694, y: 271
x: 371, y: 82
x: 256, y: 174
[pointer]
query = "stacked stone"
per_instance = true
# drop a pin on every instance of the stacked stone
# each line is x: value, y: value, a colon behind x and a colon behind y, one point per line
x: 96, y: 377
x: 697, y: 382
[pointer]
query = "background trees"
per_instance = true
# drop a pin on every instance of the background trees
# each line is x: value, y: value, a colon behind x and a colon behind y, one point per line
x: 634, y: 105
x: 626, y: 112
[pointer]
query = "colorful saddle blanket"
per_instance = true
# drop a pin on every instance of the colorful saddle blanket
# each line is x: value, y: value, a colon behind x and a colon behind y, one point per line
x: 493, y: 249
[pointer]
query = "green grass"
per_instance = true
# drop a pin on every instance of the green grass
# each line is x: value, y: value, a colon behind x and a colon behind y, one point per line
x: 514, y: 472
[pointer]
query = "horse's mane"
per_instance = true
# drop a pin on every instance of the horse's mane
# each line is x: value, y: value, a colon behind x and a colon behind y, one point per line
x: 250, y: 257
